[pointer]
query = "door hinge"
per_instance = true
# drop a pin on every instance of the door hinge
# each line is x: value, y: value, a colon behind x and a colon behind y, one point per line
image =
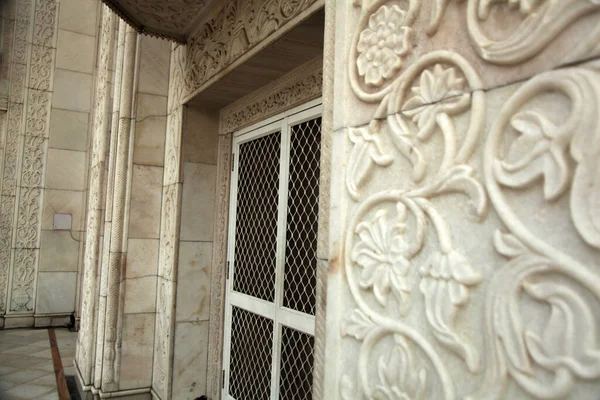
x: 227, y: 270
x: 232, y: 161
x: 223, y: 381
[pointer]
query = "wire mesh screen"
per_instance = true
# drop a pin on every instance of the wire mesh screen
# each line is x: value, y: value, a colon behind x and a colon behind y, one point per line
x: 302, y: 217
x: 256, y: 223
x: 296, y: 365
x: 250, y: 357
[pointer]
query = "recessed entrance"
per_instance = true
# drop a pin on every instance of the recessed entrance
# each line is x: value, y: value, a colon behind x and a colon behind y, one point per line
x: 270, y: 301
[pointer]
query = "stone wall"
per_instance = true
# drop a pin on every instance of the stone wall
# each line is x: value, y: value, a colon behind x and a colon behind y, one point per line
x: 190, y: 356
x: 51, y: 58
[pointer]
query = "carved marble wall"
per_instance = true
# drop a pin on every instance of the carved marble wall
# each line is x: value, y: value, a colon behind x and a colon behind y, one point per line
x: 44, y: 155
x: 465, y: 234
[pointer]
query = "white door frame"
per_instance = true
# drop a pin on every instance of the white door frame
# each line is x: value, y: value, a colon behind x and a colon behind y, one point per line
x: 275, y: 311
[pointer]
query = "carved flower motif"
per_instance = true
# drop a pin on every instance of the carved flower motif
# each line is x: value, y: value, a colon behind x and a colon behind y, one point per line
x: 539, y: 151
x: 445, y: 283
x: 381, y: 252
x: 439, y: 91
x: 382, y: 45
x: 398, y: 379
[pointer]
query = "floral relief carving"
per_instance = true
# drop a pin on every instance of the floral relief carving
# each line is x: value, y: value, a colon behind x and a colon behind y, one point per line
x: 383, y: 44
x: 297, y: 87
x: 28, y: 221
x: 34, y: 159
x: 410, y: 280
x: 15, y: 116
x: 7, y: 205
x: 38, y: 113
x: 42, y: 67
x: 552, y: 149
x: 23, y: 280
x: 17, y: 83
x: 45, y: 23
x: 543, y: 21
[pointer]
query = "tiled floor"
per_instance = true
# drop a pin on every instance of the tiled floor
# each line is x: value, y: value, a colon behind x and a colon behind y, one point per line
x: 26, y: 367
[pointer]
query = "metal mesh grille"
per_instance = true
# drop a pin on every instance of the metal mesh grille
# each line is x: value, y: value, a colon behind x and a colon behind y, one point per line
x: 250, y: 357
x: 302, y: 217
x: 296, y: 365
x: 256, y: 224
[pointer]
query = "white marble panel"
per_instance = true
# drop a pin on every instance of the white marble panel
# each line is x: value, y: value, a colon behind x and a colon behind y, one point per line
x: 142, y: 258
x: 140, y: 294
x: 198, y: 204
x: 63, y: 202
x: 75, y: 51
x: 146, y: 194
x: 59, y: 252
x: 190, y: 360
x: 200, y: 136
x: 66, y: 170
x: 150, y: 141
x: 136, y: 351
x: 68, y: 130
x: 78, y: 16
x: 193, y: 281
x: 155, y: 56
x: 72, y: 90
x: 56, y: 292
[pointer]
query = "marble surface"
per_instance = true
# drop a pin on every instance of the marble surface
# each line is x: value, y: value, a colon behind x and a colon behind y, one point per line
x: 26, y: 367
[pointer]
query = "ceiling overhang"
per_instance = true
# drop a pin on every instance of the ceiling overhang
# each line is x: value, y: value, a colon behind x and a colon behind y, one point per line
x: 169, y: 19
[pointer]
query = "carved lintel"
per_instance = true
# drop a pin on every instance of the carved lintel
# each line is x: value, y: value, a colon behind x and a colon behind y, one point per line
x: 298, y: 86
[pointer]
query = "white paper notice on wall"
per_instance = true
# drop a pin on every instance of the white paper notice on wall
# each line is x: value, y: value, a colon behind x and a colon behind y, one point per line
x: 62, y: 222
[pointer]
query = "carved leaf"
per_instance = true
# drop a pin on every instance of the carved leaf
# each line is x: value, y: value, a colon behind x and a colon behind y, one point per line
x: 357, y: 325
x: 460, y: 179
x: 508, y: 245
x: 398, y: 379
x: 445, y: 283
x: 585, y: 200
x: 569, y: 339
x: 539, y: 151
x: 368, y: 150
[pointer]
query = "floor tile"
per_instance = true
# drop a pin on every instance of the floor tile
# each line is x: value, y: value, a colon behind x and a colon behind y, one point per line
x: 29, y: 391
x: 48, y: 396
x: 46, y: 380
x: 24, y: 375
x: 5, y: 385
x: 6, y: 370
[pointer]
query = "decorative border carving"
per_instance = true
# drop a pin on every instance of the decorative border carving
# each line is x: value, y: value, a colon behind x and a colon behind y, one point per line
x: 219, y: 268
x: 100, y: 140
x: 234, y: 32
x: 298, y: 86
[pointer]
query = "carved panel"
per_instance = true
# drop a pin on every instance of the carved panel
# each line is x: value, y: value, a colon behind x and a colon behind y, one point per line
x: 17, y: 83
x: 15, y: 118
x: 28, y: 218
x: 173, y: 19
x: 469, y: 237
x: 34, y: 161
x: 7, y: 206
x: 219, y: 268
x: 23, y: 280
x: 38, y: 113
x: 231, y: 31
x: 297, y: 87
x: 42, y: 67
x: 44, y: 32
